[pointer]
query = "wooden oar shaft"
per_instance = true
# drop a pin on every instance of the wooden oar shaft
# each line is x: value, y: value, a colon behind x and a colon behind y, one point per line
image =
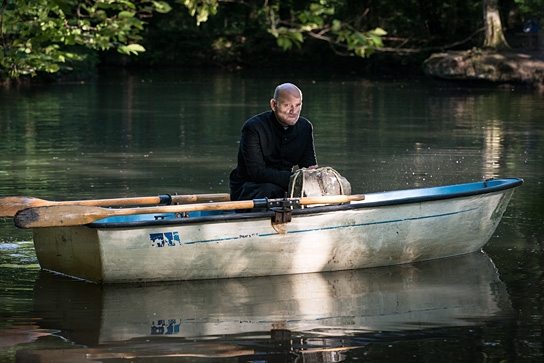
x: 70, y: 215
x: 217, y: 197
x: 9, y: 206
x: 331, y: 199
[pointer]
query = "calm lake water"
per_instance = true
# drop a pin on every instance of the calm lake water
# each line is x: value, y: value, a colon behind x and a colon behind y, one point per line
x: 142, y: 134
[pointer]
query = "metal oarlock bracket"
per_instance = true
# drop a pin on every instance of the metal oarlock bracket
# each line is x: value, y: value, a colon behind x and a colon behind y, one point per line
x: 283, y: 209
x: 282, y: 215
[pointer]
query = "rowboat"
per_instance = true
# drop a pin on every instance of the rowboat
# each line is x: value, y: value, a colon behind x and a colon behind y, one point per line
x: 209, y: 240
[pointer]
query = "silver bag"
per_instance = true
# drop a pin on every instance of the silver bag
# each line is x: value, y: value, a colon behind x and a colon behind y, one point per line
x: 318, y: 182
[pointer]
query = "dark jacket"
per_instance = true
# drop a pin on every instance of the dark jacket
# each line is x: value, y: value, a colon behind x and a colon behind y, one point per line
x: 268, y: 151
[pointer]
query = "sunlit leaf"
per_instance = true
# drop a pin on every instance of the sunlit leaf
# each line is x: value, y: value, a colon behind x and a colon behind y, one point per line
x: 336, y: 25
x: 376, y: 40
x: 284, y: 43
x: 360, y: 38
x: 298, y: 36
x: 52, y: 68
x: 131, y: 49
x: 378, y: 31
x: 162, y: 6
x: 126, y: 14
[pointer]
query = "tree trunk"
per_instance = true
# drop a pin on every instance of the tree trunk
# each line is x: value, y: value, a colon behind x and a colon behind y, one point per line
x: 494, y: 36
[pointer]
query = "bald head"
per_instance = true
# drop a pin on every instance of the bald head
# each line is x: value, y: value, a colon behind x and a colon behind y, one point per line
x: 287, y: 88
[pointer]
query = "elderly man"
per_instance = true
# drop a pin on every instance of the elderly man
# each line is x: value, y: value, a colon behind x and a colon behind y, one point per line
x: 272, y: 143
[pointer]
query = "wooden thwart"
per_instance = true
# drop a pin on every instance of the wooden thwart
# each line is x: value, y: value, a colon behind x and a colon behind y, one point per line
x: 72, y: 215
x: 9, y: 206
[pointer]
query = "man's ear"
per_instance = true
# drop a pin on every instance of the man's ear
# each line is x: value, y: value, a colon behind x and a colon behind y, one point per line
x: 273, y: 104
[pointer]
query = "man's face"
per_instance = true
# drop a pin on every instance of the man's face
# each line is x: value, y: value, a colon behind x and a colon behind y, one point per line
x: 287, y: 108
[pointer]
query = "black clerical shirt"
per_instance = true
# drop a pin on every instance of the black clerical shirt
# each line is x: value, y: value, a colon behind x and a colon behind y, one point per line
x: 268, y: 151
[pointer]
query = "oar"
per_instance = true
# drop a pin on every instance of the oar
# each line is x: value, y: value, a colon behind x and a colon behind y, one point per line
x: 11, y: 205
x: 73, y: 215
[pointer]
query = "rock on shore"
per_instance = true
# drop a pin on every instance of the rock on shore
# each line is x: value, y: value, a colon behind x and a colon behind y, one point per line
x: 488, y: 65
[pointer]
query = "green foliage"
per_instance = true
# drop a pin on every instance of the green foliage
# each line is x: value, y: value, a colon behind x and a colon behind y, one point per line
x: 37, y: 36
x: 40, y: 36
x: 308, y: 18
x: 201, y: 9
x: 319, y: 20
x: 531, y: 7
x: 240, y: 30
x: 415, y: 24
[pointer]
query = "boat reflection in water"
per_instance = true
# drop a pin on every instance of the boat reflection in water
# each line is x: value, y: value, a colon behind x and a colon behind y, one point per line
x: 320, y: 314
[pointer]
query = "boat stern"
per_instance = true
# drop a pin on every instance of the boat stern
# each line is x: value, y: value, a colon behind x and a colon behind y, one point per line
x: 73, y: 251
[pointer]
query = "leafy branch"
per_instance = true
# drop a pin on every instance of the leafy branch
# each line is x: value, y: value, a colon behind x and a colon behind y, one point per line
x: 37, y: 36
x: 316, y: 21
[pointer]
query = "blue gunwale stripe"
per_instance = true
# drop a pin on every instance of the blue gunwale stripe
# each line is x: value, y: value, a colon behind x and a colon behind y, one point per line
x: 335, y: 227
x: 374, y: 200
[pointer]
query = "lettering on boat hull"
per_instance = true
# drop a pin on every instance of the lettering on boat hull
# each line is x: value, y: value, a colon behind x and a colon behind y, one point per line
x: 165, y: 239
x: 165, y: 327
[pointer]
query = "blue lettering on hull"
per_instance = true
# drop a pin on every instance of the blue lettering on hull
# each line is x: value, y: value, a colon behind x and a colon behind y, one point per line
x: 162, y: 327
x: 165, y: 239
